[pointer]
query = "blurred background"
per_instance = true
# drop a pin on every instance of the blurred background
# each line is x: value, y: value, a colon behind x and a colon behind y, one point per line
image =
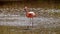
x: 14, y: 21
x: 31, y: 3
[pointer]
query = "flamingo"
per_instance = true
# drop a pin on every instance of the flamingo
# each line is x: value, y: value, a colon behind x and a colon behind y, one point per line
x: 29, y: 14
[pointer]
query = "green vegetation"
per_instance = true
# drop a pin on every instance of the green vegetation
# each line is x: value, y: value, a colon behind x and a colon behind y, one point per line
x: 54, y: 14
x: 32, y: 3
x: 20, y: 30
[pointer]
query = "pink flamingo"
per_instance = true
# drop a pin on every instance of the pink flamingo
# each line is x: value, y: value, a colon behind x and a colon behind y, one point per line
x: 29, y: 14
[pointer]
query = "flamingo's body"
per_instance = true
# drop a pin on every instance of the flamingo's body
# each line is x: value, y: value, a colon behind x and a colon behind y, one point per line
x: 30, y: 14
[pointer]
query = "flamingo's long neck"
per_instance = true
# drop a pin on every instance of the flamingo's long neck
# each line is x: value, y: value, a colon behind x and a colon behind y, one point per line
x: 27, y: 10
